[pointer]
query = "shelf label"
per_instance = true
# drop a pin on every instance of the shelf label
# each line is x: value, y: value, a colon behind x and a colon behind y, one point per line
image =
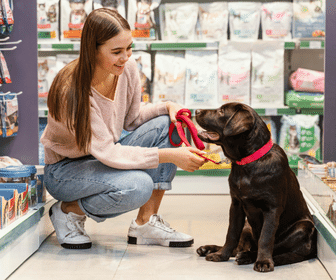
x: 271, y: 111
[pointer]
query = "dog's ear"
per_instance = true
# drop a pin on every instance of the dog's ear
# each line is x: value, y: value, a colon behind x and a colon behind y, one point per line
x: 242, y: 120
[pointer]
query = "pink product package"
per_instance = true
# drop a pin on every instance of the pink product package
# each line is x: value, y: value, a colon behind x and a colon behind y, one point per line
x: 307, y: 80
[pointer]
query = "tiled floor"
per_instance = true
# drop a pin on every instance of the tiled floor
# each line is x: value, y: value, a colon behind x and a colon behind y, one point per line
x: 203, y: 216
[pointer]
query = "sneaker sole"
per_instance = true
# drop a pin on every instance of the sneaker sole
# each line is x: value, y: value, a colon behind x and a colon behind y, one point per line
x: 134, y: 241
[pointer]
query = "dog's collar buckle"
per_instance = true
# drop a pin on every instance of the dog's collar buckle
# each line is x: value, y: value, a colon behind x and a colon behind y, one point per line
x: 257, y: 154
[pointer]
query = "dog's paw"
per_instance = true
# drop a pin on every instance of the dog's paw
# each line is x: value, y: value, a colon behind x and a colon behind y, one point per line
x: 264, y: 265
x: 207, y: 249
x: 247, y: 257
x: 216, y: 257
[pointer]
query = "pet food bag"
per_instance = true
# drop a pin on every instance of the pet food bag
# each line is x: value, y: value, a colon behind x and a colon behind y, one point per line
x: 244, y: 18
x: 234, y: 69
x: 267, y: 90
x: 309, y: 18
x: 276, y: 20
x: 201, y: 79
x: 213, y: 21
x: 117, y: 5
x: 300, y: 134
x: 5, y: 76
x: 307, y: 80
x: 271, y: 127
x: 73, y: 16
x: 6, y: 17
x: 141, y: 18
x: 169, y: 77
x: 9, y: 114
x: 48, y: 20
x: 143, y: 60
x: 178, y: 21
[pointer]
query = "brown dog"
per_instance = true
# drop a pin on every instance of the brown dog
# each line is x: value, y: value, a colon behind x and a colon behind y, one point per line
x: 270, y: 223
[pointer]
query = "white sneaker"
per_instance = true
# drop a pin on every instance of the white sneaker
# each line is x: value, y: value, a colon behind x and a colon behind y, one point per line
x: 69, y: 228
x: 157, y: 232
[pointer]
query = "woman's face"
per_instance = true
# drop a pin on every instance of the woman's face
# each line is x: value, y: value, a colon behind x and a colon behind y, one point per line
x: 112, y: 56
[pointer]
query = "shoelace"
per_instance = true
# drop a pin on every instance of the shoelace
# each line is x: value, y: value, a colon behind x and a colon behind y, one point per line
x: 159, y: 222
x: 76, y: 225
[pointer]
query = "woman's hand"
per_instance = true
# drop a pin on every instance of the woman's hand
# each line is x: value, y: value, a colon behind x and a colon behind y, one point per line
x: 173, y: 108
x: 183, y: 157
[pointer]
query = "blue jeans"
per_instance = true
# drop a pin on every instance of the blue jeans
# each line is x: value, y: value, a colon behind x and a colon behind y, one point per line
x: 104, y: 192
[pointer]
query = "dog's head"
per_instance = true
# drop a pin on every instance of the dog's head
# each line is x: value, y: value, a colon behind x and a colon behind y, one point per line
x: 234, y: 126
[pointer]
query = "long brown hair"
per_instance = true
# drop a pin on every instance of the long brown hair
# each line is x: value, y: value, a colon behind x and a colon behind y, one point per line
x: 68, y: 98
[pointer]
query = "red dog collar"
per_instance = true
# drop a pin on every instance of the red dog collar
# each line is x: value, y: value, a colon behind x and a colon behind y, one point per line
x: 257, y: 154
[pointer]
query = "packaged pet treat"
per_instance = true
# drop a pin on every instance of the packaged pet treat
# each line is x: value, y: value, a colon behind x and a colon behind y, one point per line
x: 309, y: 18
x: 5, y: 76
x: 178, y: 21
x: 276, y: 20
x: 169, y: 77
x: 6, y: 18
x: 73, y: 15
x: 7, y: 207
x: 201, y: 79
x: 9, y: 116
x: 143, y: 60
x: 244, y: 18
x: 48, y: 19
x: 20, y: 196
x: 307, y: 80
x: 234, y: 69
x: 140, y: 16
x: 213, y: 21
x: 118, y: 5
x: 267, y: 88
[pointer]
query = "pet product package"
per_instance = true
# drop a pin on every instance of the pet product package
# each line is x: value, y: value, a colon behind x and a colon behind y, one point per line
x: 300, y: 134
x: 20, y: 196
x: 244, y: 18
x: 276, y: 20
x: 9, y: 114
x: 307, y: 80
x: 213, y: 21
x: 178, y: 21
x: 143, y: 60
x: 201, y: 79
x: 267, y: 90
x: 73, y: 16
x: 6, y: 17
x: 234, y: 69
x: 48, y: 20
x: 117, y: 5
x: 141, y: 18
x: 7, y: 207
x: 5, y: 76
x: 169, y: 77
x: 309, y: 18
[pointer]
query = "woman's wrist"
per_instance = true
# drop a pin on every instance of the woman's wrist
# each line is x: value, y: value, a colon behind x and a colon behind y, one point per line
x: 165, y: 155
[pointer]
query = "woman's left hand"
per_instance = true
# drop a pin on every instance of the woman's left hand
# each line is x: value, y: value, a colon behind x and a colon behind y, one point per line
x: 173, y: 108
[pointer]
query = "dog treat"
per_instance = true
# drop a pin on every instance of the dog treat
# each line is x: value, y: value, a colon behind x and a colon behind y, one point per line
x: 276, y: 20
x: 7, y: 16
x: 143, y: 60
x: 244, y: 20
x: 307, y: 80
x: 9, y: 114
x: 234, y: 69
x: 117, y: 5
x: 48, y: 20
x: 169, y: 77
x: 201, y: 79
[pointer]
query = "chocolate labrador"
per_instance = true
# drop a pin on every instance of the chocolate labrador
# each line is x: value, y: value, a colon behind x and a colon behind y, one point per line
x: 270, y: 223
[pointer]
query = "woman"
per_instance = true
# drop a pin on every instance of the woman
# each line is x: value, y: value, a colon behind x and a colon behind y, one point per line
x: 89, y: 169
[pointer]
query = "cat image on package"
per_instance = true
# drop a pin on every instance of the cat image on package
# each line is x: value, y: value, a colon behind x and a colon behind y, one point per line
x: 47, y: 19
x: 143, y: 60
x: 117, y: 5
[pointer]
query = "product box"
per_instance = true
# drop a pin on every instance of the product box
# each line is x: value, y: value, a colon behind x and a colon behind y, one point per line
x: 296, y: 99
x: 7, y: 207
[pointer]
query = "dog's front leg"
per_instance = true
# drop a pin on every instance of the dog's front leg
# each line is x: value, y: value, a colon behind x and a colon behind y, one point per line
x: 264, y: 261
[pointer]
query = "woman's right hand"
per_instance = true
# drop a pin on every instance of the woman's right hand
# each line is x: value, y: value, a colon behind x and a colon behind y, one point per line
x: 183, y: 157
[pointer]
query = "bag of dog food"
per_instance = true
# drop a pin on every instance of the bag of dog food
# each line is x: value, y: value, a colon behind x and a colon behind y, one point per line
x: 234, y: 69
x: 307, y: 80
x: 143, y: 60
x: 48, y: 20
x: 244, y: 18
x: 169, y: 77
x: 267, y: 89
x: 178, y: 21
x: 309, y: 18
x: 276, y: 20
x: 118, y: 5
x: 9, y: 114
x: 213, y: 21
x: 141, y: 17
x: 73, y: 16
x: 201, y: 79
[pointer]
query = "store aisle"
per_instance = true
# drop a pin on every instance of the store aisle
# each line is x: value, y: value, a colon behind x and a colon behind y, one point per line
x: 203, y: 216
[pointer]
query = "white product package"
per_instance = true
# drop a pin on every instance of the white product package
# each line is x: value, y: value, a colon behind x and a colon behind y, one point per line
x: 140, y: 16
x: 178, y: 21
x: 276, y: 20
x: 169, y: 77
x: 143, y: 60
x: 47, y: 20
x: 73, y: 16
x: 201, y: 79
x: 244, y: 18
x: 309, y: 18
x: 234, y: 69
x: 213, y: 21
x: 267, y: 90
x: 118, y: 5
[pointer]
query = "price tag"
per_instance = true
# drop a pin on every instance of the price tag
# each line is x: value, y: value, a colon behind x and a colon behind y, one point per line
x: 315, y: 45
x: 76, y: 47
x: 46, y: 46
x: 271, y: 111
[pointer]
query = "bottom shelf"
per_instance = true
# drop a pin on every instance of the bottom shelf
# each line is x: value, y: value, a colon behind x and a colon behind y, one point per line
x: 22, y: 238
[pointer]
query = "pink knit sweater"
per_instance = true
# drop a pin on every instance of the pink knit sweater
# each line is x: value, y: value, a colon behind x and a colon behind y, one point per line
x: 108, y: 119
